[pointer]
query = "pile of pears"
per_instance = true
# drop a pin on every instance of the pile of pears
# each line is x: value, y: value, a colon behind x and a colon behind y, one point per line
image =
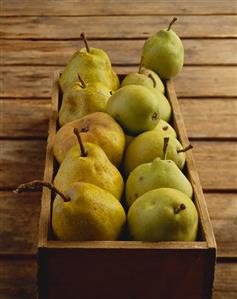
x: 119, y: 158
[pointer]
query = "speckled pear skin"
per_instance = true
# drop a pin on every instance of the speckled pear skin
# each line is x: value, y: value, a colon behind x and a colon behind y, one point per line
x: 92, y: 67
x: 149, y: 145
x: 95, y: 168
x: 78, y: 102
x: 99, y: 128
x: 135, y: 108
x: 152, y: 217
x: 158, y: 174
x: 165, y: 129
x: 163, y: 53
x: 91, y: 214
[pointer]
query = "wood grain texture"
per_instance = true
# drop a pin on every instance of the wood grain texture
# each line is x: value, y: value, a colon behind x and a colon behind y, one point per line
x: 223, y: 213
x: 19, y: 217
x: 204, y: 118
x: 23, y: 160
x: 38, y: 52
x: 193, y: 81
x: 75, y: 8
x: 24, y: 118
x: 18, y: 279
x: 210, y: 118
x: 122, y: 27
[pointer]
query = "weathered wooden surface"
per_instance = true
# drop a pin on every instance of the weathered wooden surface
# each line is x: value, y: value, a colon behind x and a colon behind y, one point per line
x: 60, y: 27
x: 75, y: 8
x: 37, y: 39
x: 40, y: 52
x: 193, y: 81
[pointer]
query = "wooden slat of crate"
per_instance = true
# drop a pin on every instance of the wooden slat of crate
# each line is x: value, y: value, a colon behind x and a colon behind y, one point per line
x: 18, y: 279
x: 193, y: 81
x: 122, y: 27
x: 39, y: 52
x: 204, y: 118
x: 75, y: 8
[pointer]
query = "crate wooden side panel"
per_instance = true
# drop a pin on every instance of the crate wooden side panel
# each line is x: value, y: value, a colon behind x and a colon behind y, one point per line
x: 126, y: 273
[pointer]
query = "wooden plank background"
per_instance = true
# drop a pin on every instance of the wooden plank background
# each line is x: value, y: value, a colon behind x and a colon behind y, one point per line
x: 39, y: 37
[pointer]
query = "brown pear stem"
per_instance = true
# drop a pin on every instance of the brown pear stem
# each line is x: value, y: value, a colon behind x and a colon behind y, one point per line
x: 165, y: 146
x: 36, y: 184
x: 153, y: 80
x: 81, y: 81
x: 185, y: 149
x: 83, y: 151
x: 140, y: 65
x: 171, y: 23
x: 179, y: 208
x: 83, y: 36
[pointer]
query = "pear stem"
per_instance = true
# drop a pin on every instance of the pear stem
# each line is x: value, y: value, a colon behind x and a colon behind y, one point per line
x: 165, y: 146
x: 36, y: 184
x: 81, y: 81
x: 171, y: 23
x: 185, y: 149
x: 140, y: 65
x: 153, y: 80
x: 83, y: 151
x: 179, y: 208
x: 83, y: 36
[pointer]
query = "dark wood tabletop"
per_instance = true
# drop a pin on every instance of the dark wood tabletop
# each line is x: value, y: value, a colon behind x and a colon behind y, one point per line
x: 38, y: 37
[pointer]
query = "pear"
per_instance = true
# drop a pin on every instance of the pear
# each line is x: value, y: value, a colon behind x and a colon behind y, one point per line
x: 161, y: 173
x: 165, y: 129
x: 150, y: 80
x: 144, y: 77
x: 99, y: 128
x: 87, y: 162
x: 163, y: 52
x: 163, y: 105
x: 149, y: 145
x: 81, y: 99
x: 135, y: 107
x: 163, y: 214
x: 84, y: 212
x: 92, y: 64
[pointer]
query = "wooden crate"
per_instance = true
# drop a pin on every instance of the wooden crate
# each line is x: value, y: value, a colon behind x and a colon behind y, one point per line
x: 125, y: 269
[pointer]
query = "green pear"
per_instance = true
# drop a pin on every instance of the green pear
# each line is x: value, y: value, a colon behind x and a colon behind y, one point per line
x: 144, y: 77
x: 165, y: 129
x: 150, y: 80
x: 91, y: 213
x: 84, y: 212
x: 163, y: 105
x: 87, y: 162
x: 157, y: 82
x: 149, y: 145
x: 163, y: 214
x: 135, y: 107
x: 93, y: 65
x: 97, y: 127
x: 161, y: 173
x: 163, y: 53
x: 81, y: 99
